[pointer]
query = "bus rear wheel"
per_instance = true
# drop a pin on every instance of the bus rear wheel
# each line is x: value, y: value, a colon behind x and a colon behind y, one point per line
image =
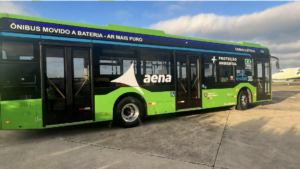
x: 243, y: 100
x: 128, y: 112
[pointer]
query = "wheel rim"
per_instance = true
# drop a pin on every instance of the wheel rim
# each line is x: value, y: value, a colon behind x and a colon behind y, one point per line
x: 130, y: 112
x: 244, y: 100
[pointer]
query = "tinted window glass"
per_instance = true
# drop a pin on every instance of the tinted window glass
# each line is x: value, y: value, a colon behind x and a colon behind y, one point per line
x: 155, y: 63
x: 209, y: 68
x: 226, y: 73
x: 155, y: 66
x: 116, y: 65
x: 116, y: 62
x: 244, y: 69
x: 113, y: 64
x: 17, y: 51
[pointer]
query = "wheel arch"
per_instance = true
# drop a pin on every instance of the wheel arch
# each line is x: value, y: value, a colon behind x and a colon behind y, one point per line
x: 248, y: 92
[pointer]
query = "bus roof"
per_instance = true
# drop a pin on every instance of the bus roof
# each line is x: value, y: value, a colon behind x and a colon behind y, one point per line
x: 127, y: 29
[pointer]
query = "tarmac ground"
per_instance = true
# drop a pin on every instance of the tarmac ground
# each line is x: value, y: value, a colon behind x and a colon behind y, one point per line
x: 267, y: 135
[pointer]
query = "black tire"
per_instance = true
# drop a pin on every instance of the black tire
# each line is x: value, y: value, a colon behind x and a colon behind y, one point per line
x: 126, y: 108
x: 243, y: 100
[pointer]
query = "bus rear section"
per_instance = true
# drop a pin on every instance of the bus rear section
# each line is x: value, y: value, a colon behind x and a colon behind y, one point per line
x: 21, y: 103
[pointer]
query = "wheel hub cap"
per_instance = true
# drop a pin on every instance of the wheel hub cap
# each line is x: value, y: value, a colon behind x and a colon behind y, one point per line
x: 130, y: 112
x: 244, y: 100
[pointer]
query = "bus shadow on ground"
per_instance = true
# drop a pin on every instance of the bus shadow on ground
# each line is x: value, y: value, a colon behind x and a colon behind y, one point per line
x: 8, y: 137
x: 260, y: 142
x: 278, y: 97
x: 195, y: 137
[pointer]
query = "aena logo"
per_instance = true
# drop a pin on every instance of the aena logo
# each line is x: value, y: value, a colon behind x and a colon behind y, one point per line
x: 128, y: 78
x: 157, y: 79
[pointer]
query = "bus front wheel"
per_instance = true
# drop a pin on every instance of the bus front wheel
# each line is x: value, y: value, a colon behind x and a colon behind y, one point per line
x: 243, y: 100
x: 128, y: 112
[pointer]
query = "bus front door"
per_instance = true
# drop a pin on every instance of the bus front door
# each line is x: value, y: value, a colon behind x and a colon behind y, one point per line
x: 188, y: 85
x: 66, y: 85
x: 263, y: 79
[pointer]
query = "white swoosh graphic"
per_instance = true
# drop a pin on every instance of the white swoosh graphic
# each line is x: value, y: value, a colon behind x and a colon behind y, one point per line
x: 129, y: 79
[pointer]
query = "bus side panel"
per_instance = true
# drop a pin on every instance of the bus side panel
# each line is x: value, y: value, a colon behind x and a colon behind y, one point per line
x: 18, y: 114
x: 162, y: 102
x: 0, y: 114
x: 39, y: 113
x: 225, y: 97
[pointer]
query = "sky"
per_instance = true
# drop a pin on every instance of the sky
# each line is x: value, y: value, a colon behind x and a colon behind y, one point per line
x: 275, y: 25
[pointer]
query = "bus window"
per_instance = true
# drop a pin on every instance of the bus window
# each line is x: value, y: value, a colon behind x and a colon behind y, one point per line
x: 17, y: 51
x: 209, y: 69
x: 244, y: 69
x: 155, y: 63
x: 127, y: 62
x: 4, y: 55
x: 116, y: 62
x: 226, y: 73
x: 109, y: 66
x: 113, y: 64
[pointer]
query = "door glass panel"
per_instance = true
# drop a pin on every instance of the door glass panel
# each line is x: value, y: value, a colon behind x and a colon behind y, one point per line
x: 181, y: 77
x: 195, y: 88
x: 267, y: 71
x: 55, y: 79
x: 259, y: 77
x: 267, y: 84
x: 81, y: 81
x: 259, y: 69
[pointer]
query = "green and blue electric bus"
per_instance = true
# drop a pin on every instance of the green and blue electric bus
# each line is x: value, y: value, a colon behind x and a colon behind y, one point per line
x: 55, y: 73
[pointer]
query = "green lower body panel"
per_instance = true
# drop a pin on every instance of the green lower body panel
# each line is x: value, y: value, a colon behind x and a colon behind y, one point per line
x: 161, y: 102
x: 27, y: 114
x: 21, y: 114
x: 225, y: 97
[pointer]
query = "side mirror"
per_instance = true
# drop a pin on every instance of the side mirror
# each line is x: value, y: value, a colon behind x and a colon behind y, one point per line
x: 277, y: 64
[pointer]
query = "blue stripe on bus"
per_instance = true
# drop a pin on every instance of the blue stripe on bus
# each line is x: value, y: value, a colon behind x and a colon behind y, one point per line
x: 20, y: 35
x: 115, y: 43
x: 155, y: 46
x: 191, y: 49
x: 66, y: 39
x: 235, y: 53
